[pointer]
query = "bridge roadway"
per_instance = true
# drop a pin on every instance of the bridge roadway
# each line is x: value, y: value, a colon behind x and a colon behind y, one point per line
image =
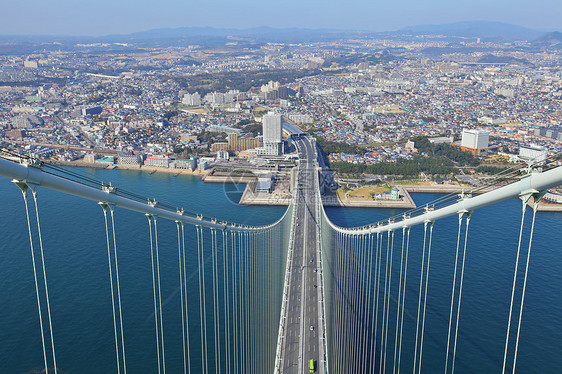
x: 304, y: 330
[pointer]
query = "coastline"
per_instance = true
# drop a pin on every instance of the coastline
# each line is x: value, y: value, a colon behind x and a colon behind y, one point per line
x: 283, y: 198
x: 148, y: 169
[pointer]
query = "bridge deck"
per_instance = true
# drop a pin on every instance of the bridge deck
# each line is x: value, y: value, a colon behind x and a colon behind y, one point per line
x: 303, y: 331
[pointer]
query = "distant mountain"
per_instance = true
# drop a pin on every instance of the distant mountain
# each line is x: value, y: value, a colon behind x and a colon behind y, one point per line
x: 551, y: 39
x: 476, y: 29
x: 212, y: 31
x: 211, y: 35
x: 170, y: 37
x: 493, y: 59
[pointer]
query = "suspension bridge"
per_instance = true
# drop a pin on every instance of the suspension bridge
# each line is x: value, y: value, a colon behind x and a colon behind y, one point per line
x: 300, y: 295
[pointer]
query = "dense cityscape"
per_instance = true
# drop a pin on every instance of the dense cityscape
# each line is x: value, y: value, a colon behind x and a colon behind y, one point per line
x: 366, y: 99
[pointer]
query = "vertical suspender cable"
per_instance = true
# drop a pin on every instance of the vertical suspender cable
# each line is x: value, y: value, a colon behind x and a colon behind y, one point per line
x: 354, y: 271
x: 202, y: 331
x: 399, y: 300
x: 24, y: 192
x: 343, y: 316
x: 247, y: 300
x: 403, y: 301
x: 373, y: 265
x: 235, y: 285
x: 371, y: 287
x: 258, y: 309
x: 365, y: 295
x: 365, y: 257
x: 535, y: 207
x: 104, y: 207
x: 381, y: 359
x: 514, y: 282
x: 119, y: 291
x: 217, y: 313
x: 351, y: 289
x: 425, y: 296
x: 159, y: 294
x: 181, y: 299
x: 202, y: 304
x: 336, y: 341
x: 213, y: 320
x: 241, y: 346
x: 388, y: 302
x: 267, y: 247
x: 253, y: 307
x: 154, y: 292
x: 460, y: 291
x: 273, y: 296
x: 369, y: 276
x: 360, y: 298
x: 215, y: 296
x: 226, y: 306
x: 184, y: 265
x: 381, y: 243
x: 241, y: 303
x: 249, y: 311
x: 420, y: 295
x: 258, y: 291
x: 370, y: 298
x: 337, y: 274
x: 453, y: 292
x: 346, y: 308
x: 348, y: 305
x: 34, y: 192
x: 376, y: 311
x: 234, y: 302
x: 247, y: 347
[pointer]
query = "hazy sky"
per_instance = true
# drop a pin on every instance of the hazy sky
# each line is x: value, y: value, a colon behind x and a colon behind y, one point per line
x: 101, y: 17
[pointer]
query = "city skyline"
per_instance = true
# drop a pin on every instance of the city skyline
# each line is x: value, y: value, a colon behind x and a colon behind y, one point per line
x: 65, y: 17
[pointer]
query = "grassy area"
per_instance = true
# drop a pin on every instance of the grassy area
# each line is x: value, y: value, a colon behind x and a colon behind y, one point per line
x: 361, y: 193
x: 496, y: 159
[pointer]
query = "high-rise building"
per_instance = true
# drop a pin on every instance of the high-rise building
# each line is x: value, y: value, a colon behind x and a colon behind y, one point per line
x: 272, y: 127
x: 475, y: 139
x: 235, y: 143
x: 192, y: 100
x: 533, y: 152
x: 273, y: 134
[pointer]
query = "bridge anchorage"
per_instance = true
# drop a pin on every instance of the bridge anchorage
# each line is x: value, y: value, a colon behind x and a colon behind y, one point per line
x: 299, y: 295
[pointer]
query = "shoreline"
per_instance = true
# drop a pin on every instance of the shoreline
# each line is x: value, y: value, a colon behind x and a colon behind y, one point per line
x: 148, y: 169
x: 251, y: 198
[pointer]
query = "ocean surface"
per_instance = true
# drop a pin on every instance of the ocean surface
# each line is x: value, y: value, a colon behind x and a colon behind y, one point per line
x: 76, y: 266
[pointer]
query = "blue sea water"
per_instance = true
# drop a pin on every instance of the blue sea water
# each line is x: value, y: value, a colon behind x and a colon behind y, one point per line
x: 76, y: 263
